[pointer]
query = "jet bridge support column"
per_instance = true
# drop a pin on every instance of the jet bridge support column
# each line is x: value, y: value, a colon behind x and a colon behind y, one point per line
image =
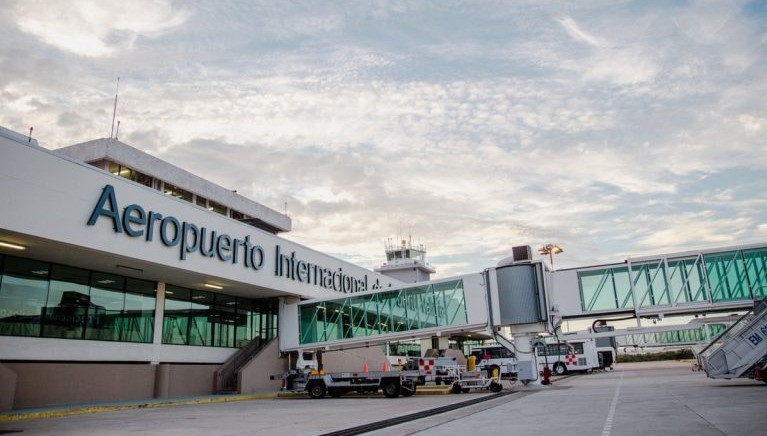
x: 527, y: 362
x: 517, y: 299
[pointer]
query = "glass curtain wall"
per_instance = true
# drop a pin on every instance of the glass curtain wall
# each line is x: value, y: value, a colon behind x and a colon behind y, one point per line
x: 193, y: 317
x: 58, y: 301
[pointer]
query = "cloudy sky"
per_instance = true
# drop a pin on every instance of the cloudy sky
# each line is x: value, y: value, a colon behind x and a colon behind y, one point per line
x: 614, y: 129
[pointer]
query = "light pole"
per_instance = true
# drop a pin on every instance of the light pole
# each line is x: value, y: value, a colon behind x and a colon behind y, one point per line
x: 550, y: 250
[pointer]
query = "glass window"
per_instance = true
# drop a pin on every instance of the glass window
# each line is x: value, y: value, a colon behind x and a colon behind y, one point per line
x: 177, y: 192
x: 605, y: 289
x: 137, y: 321
x: 144, y: 179
x: 23, y: 294
x: 121, y: 170
x: 756, y: 267
x: 200, y: 201
x: 216, y: 207
x: 226, y: 320
x: 107, y: 300
x: 727, y: 276
x: 650, y: 284
x: 57, y: 301
x: 204, y: 318
x: 68, y: 301
x: 687, y: 281
x: 177, y: 315
x: 201, y: 318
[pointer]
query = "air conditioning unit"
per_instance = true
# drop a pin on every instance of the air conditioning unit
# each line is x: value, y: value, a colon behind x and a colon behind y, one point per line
x: 522, y: 253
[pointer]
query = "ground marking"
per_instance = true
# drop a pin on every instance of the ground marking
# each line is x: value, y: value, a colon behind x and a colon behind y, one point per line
x: 609, y: 421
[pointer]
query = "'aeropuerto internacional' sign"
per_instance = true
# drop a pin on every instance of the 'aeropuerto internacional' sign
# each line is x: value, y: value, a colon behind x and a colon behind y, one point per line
x: 136, y: 222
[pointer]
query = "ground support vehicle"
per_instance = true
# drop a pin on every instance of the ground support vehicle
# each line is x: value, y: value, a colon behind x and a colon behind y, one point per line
x: 572, y: 355
x: 464, y: 381
x: 317, y: 384
x: 430, y: 369
x: 496, y: 359
x: 741, y: 350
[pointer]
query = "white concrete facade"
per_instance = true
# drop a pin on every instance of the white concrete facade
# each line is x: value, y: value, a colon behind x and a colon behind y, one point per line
x: 47, y: 202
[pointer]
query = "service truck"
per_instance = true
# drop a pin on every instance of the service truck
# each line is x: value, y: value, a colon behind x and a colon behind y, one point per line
x: 309, y: 378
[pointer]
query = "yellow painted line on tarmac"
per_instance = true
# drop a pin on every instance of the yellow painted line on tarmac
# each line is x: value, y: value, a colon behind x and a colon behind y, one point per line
x: 18, y: 416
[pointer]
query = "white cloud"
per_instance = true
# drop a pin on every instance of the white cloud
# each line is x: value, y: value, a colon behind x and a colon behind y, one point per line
x: 96, y: 28
x: 480, y: 130
x: 578, y: 34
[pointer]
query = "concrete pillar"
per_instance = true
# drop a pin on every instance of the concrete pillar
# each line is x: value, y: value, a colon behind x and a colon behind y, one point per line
x: 527, y: 362
x: 162, y: 380
x: 159, y: 308
x: 7, y: 388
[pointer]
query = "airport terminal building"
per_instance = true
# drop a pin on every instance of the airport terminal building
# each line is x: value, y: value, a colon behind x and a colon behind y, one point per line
x: 124, y: 277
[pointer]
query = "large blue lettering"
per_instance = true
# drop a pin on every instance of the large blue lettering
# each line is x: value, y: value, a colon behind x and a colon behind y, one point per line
x: 107, y: 196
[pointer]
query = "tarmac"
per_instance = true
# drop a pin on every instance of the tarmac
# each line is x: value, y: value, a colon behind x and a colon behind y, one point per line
x: 645, y: 399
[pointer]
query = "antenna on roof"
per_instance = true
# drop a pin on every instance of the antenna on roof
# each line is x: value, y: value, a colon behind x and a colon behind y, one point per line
x: 31, y: 128
x: 114, y: 111
x: 117, y: 132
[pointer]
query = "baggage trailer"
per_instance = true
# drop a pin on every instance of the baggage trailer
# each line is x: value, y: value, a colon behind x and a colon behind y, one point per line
x: 464, y: 381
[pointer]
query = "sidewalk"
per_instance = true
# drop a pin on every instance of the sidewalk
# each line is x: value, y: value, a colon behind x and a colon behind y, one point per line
x: 79, y: 409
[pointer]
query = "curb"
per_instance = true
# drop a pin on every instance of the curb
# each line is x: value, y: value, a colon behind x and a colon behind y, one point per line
x: 19, y: 416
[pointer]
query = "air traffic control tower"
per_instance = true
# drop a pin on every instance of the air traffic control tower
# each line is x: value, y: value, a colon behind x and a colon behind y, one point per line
x: 406, y: 262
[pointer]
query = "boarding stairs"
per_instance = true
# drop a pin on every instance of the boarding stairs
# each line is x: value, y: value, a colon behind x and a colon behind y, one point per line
x: 227, y: 376
x: 740, y: 348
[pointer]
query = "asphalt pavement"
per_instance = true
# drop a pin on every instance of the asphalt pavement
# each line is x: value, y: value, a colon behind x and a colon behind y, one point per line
x: 636, y: 399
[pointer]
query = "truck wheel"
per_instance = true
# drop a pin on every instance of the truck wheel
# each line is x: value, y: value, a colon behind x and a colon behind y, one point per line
x: 317, y: 390
x: 560, y: 369
x: 391, y: 389
x: 407, y: 392
x: 496, y: 387
x: 456, y: 389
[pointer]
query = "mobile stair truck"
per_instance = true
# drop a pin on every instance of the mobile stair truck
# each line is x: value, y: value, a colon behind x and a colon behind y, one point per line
x: 741, y: 350
x: 307, y: 377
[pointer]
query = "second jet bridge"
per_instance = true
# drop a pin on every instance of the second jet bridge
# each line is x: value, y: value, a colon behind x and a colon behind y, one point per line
x: 511, y: 295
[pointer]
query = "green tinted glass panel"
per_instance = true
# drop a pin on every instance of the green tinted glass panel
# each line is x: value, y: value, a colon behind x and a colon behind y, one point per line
x: 415, y: 308
x: 605, y: 289
x: 137, y: 320
x: 225, y: 320
x: 650, y: 284
x: 178, y: 307
x: 727, y: 276
x: 687, y: 281
x: 756, y: 269
x: 201, y: 318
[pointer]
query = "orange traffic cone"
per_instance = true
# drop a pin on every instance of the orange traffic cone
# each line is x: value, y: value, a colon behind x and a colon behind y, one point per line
x: 365, y: 367
x: 385, y: 366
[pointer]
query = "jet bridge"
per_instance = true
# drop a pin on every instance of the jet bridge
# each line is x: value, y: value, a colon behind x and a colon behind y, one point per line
x: 512, y: 294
